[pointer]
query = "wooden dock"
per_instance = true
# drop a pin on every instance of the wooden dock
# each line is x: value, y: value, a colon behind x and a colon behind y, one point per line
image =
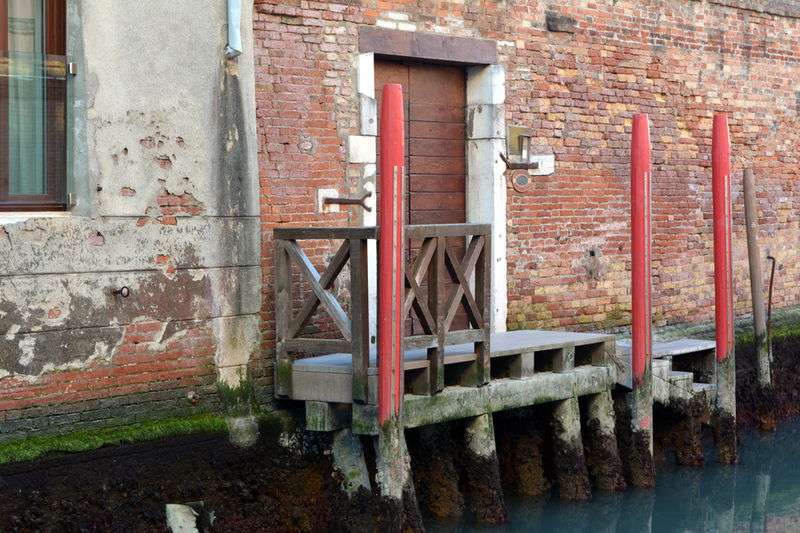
x: 527, y: 367
x: 450, y: 370
x: 453, y: 367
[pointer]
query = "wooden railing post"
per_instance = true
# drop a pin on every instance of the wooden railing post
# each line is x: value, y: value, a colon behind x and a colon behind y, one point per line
x: 283, y: 315
x: 359, y: 309
x: 483, y: 295
x: 437, y: 307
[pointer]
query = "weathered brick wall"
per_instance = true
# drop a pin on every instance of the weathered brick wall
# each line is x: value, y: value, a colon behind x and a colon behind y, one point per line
x: 150, y: 376
x: 304, y: 108
x: 680, y: 61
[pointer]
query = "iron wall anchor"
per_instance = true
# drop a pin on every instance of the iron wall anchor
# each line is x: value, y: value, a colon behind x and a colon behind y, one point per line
x: 519, y: 166
x: 351, y: 201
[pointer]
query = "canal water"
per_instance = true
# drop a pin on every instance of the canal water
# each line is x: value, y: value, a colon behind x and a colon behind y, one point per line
x: 761, y: 494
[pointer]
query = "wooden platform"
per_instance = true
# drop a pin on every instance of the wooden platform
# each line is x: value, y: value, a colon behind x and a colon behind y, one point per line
x: 514, y: 355
x: 453, y: 367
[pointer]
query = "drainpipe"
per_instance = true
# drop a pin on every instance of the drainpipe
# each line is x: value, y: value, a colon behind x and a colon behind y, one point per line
x: 234, y: 47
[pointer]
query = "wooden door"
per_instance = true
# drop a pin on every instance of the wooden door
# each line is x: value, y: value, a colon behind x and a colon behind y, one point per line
x: 435, y: 100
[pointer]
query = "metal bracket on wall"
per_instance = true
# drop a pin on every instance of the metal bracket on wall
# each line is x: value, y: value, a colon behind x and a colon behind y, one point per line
x: 351, y: 201
x: 518, y: 144
x: 519, y: 166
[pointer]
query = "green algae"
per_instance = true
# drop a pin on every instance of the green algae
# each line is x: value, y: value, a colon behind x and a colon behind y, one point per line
x: 238, y: 401
x: 29, y: 449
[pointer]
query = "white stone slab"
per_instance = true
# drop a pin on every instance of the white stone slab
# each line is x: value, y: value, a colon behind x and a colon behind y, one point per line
x: 361, y: 149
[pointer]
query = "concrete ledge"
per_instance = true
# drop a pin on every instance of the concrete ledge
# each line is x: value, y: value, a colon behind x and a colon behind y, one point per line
x: 543, y: 388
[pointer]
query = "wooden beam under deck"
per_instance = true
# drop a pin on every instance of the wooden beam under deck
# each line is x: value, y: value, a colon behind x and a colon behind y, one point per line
x: 454, y: 403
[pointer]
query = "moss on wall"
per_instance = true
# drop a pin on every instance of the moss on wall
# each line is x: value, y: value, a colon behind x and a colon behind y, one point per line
x: 28, y: 449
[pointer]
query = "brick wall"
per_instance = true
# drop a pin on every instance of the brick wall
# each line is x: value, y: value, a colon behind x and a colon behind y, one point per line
x: 680, y: 61
x: 148, y: 376
x: 304, y: 109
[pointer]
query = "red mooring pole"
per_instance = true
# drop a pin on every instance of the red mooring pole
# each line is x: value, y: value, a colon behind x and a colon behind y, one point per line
x: 390, y: 255
x: 640, y: 247
x: 723, y: 269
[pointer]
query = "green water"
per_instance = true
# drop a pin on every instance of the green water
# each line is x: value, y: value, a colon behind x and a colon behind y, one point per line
x: 760, y: 494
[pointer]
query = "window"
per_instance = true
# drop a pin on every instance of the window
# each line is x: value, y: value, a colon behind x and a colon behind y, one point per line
x: 33, y: 105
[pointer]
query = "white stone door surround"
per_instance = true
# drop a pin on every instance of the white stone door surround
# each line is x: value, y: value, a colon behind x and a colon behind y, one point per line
x: 485, y: 185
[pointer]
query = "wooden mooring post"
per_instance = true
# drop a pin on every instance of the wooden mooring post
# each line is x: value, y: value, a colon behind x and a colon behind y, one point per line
x: 391, y: 264
x: 725, y: 409
x: 762, y: 347
x: 640, y: 401
x: 393, y: 465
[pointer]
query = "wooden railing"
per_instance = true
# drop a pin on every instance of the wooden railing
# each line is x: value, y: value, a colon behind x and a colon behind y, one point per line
x: 452, y: 283
x: 438, y: 262
x: 289, y: 327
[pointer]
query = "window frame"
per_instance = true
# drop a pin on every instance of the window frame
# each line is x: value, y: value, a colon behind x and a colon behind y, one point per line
x: 56, y: 102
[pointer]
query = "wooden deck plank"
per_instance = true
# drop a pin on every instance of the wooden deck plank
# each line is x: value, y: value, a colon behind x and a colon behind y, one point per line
x: 329, y: 377
x: 676, y: 347
x: 503, y: 344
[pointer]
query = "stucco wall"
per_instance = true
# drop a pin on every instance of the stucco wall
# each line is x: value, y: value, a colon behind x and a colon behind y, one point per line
x: 165, y: 174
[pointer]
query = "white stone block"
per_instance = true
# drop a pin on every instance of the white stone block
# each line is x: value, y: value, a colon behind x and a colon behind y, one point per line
x: 361, y: 149
x: 368, y: 115
x: 547, y: 165
x: 486, y: 121
x: 237, y: 339
x: 369, y: 218
x: 381, y: 23
x: 181, y: 518
x: 486, y: 203
x: 327, y: 193
x: 483, y: 162
x: 365, y: 74
x: 370, y: 201
x: 397, y: 15
x: 486, y: 85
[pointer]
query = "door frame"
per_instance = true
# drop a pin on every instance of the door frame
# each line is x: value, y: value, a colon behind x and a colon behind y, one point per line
x: 486, y: 132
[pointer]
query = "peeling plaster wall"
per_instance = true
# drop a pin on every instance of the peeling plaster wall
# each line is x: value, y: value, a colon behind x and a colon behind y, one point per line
x: 165, y: 170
